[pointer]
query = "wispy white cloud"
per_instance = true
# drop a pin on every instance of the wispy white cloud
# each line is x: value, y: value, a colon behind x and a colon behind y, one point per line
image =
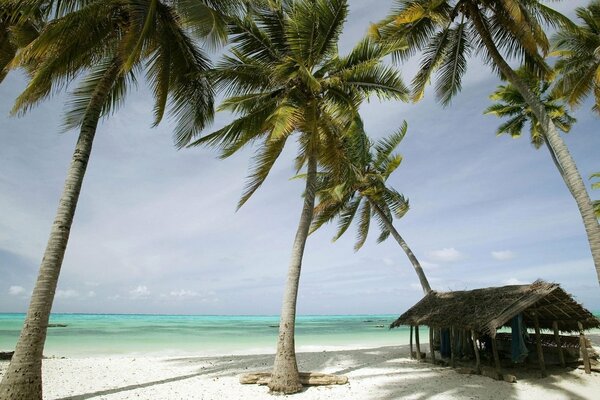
x: 140, y: 292
x: 183, y: 293
x: 449, y: 254
x: 16, y: 290
x: 503, y: 255
x: 66, y: 293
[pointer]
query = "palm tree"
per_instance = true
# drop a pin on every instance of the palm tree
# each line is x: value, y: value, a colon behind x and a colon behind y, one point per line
x: 512, y: 105
x: 284, y: 76
x: 579, y: 64
x: 111, y: 42
x: 450, y: 31
x: 365, y: 192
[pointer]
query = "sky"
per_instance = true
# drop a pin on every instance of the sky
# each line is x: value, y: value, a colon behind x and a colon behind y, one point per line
x: 156, y: 229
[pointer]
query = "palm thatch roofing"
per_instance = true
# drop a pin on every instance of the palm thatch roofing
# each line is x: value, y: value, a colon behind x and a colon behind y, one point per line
x: 485, y: 310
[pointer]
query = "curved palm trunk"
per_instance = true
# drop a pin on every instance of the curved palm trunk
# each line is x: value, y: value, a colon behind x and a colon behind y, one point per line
x: 285, y: 378
x: 23, y: 378
x: 415, y: 263
x: 569, y: 172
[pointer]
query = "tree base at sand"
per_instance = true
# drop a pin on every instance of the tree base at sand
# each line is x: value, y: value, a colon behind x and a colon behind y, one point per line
x: 306, y: 379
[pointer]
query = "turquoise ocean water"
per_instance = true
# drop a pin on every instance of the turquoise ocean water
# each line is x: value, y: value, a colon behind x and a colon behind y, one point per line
x: 97, y: 335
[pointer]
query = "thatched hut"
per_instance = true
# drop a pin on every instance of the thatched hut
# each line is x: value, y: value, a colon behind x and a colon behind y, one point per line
x: 474, y: 314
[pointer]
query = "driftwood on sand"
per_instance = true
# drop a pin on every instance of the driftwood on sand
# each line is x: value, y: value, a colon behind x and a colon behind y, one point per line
x: 306, y: 378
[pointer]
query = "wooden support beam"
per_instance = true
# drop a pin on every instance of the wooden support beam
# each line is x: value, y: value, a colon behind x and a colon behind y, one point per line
x: 561, y: 355
x: 411, y: 343
x: 452, y: 348
x: 538, y: 344
x: 584, y: 353
x: 496, y: 356
x: 431, y: 349
x: 476, y: 349
x: 418, y: 343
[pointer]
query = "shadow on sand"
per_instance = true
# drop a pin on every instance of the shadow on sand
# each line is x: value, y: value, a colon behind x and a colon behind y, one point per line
x: 397, y: 376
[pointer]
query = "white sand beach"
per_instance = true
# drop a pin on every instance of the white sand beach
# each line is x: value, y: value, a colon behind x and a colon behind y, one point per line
x: 375, y: 373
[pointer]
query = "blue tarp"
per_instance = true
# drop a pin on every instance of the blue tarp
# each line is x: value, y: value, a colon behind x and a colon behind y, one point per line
x: 518, y: 348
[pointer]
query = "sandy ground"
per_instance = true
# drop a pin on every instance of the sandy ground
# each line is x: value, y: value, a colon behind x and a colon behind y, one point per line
x: 380, y: 373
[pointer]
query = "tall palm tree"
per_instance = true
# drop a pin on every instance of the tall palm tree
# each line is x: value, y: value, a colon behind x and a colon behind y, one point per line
x: 284, y: 77
x: 450, y: 31
x: 512, y: 105
x: 365, y: 192
x: 111, y: 42
x: 578, y: 64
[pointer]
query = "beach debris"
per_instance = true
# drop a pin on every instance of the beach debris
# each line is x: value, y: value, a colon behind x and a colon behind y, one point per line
x: 6, y: 355
x: 306, y: 378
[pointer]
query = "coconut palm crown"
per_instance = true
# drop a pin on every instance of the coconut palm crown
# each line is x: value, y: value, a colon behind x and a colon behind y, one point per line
x: 284, y: 77
x: 579, y: 59
x: 364, y: 193
x: 511, y: 104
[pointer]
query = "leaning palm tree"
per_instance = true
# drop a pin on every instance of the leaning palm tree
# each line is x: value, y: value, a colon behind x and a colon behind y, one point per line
x: 450, y: 31
x: 578, y: 64
x: 284, y: 77
x: 110, y: 42
x: 511, y: 104
x: 364, y: 192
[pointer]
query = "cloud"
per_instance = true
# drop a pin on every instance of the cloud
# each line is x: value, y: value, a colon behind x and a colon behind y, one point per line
x: 91, y: 293
x: 183, y: 293
x: 16, y: 290
x: 66, y: 294
x: 140, y: 292
x: 503, y: 255
x: 446, y: 255
x: 515, y: 281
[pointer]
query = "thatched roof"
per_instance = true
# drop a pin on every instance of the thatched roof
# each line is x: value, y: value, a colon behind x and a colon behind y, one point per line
x: 485, y: 310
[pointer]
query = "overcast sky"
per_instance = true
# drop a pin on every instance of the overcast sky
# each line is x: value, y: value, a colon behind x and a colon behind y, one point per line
x: 156, y: 229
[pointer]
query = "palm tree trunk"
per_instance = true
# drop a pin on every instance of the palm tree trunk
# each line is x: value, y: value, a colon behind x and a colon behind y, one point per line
x: 285, y: 378
x: 23, y: 378
x: 415, y: 263
x: 570, y: 174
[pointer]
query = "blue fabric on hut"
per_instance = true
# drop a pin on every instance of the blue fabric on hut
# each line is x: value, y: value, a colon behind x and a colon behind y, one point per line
x: 518, y: 348
x: 445, y: 343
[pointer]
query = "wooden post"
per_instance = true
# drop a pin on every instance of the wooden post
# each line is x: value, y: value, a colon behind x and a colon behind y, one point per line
x: 452, y: 344
x: 417, y: 343
x: 561, y: 355
x: 431, y: 349
x: 584, y: 352
x: 496, y: 356
x: 411, y: 345
x: 476, y: 349
x: 538, y: 344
